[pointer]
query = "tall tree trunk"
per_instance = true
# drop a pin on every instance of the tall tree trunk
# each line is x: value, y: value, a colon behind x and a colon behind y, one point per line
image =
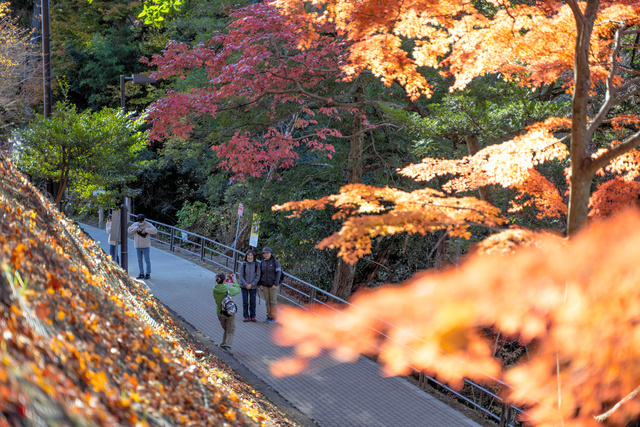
x: 343, y: 279
x: 371, y: 269
x: 345, y: 273
x: 581, y: 177
x: 62, y: 185
x: 442, y: 250
x: 474, y: 146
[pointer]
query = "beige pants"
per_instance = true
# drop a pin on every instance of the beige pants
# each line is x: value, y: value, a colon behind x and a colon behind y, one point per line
x: 229, y: 326
x: 271, y: 300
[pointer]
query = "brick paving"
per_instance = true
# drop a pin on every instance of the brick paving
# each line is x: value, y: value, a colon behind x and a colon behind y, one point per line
x: 332, y: 394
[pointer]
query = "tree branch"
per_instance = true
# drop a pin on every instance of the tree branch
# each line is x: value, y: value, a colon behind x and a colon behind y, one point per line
x: 609, y: 98
x: 577, y: 13
x: 603, y: 417
x: 599, y: 162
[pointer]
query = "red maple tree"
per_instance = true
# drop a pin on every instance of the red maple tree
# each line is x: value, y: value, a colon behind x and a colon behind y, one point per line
x: 279, y: 97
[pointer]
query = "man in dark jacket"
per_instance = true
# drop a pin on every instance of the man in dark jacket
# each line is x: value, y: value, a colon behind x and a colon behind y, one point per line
x: 270, y: 272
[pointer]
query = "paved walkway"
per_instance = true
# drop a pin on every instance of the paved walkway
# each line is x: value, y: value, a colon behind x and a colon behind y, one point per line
x: 330, y: 393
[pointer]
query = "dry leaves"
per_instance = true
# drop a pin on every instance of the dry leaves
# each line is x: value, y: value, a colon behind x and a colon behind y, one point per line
x: 82, y: 344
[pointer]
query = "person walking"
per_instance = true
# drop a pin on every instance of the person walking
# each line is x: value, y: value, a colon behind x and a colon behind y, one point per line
x: 228, y: 322
x: 270, y: 272
x: 113, y: 244
x: 249, y: 278
x: 142, y: 240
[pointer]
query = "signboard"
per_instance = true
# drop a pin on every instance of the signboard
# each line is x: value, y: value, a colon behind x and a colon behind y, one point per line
x: 255, y: 228
x: 240, y: 209
x: 114, y: 235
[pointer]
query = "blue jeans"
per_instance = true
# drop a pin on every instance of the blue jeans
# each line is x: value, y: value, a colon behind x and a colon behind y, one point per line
x: 114, y: 253
x: 249, y: 303
x: 143, y: 252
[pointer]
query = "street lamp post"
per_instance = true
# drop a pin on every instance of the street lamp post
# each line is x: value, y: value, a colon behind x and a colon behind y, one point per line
x: 124, y: 253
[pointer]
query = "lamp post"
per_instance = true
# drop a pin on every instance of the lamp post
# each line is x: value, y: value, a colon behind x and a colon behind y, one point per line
x: 124, y: 252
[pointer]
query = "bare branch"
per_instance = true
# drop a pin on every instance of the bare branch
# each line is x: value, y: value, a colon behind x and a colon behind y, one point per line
x: 611, y: 89
x: 599, y: 162
x: 603, y: 417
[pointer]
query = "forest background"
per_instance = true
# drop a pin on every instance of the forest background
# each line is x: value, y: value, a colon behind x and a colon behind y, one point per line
x: 183, y: 182
x: 336, y: 99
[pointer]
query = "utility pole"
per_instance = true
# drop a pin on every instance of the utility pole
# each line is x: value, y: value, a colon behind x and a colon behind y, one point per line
x: 124, y: 215
x: 46, y: 58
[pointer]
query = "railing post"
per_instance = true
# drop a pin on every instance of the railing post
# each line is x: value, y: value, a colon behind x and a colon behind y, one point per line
x: 202, y: 249
x: 312, y: 298
x: 171, y: 239
x: 504, y: 415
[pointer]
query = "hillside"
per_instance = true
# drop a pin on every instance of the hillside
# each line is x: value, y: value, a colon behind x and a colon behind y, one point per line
x: 82, y: 344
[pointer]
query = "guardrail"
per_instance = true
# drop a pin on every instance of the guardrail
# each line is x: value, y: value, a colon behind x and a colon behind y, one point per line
x: 305, y: 295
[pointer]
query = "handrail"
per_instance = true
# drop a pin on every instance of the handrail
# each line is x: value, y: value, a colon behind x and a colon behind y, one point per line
x: 508, y: 413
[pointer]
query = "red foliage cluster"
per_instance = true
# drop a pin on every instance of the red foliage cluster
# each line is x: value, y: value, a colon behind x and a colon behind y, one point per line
x: 256, y: 66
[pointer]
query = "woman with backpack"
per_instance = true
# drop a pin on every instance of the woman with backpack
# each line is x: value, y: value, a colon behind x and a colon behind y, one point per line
x: 249, y: 278
x: 226, y: 309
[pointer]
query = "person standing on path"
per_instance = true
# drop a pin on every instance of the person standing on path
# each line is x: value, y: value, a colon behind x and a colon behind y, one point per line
x: 228, y: 323
x: 249, y: 278
x: 112, y: 243
x: 142, y: 240
x: 270, y: 272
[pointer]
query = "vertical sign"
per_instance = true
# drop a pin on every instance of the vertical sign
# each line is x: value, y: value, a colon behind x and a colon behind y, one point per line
x: 255, y: 228
x: 114, y: 236
x: 235, y: 242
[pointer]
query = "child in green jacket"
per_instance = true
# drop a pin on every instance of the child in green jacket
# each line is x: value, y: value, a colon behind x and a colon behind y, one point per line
x: 228, y: 323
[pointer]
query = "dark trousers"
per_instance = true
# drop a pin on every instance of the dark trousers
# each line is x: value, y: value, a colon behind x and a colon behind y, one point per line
x: 113, y: 251
x: 249, y: 303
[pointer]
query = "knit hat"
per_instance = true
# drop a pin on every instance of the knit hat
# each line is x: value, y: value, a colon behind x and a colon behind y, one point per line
x: 267, y: 250
x: 140, y: 217
x: 220, y: 278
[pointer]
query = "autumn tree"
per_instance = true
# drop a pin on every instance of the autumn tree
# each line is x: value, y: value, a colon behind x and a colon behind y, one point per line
x: 16, y: 77
x: 540, y: 46
x: 81, y: 150
x: 552, y: 293
x: 575, y: 301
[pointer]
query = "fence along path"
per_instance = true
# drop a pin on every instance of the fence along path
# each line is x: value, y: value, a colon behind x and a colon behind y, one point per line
x: 333, y: 394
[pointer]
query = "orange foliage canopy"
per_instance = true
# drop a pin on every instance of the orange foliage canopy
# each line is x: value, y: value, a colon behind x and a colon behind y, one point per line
x: 455, y: 36
x: 374, y: 212
x: 510, y: 164
x: 579, y: 301
x: 532, y: 44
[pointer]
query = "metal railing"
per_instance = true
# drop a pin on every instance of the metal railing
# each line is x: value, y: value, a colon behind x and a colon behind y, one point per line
x: 305, y: 295
x: 206, y: 249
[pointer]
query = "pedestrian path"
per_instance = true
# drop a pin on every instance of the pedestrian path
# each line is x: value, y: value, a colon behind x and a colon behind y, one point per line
x: 332, y: 394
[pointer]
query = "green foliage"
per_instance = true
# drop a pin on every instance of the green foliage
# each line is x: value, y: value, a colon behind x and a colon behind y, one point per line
x: 95, y: 44
x: 489, y: 108
x: 154, y: 11
x: 196, y: 217
x: 85, y: 151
